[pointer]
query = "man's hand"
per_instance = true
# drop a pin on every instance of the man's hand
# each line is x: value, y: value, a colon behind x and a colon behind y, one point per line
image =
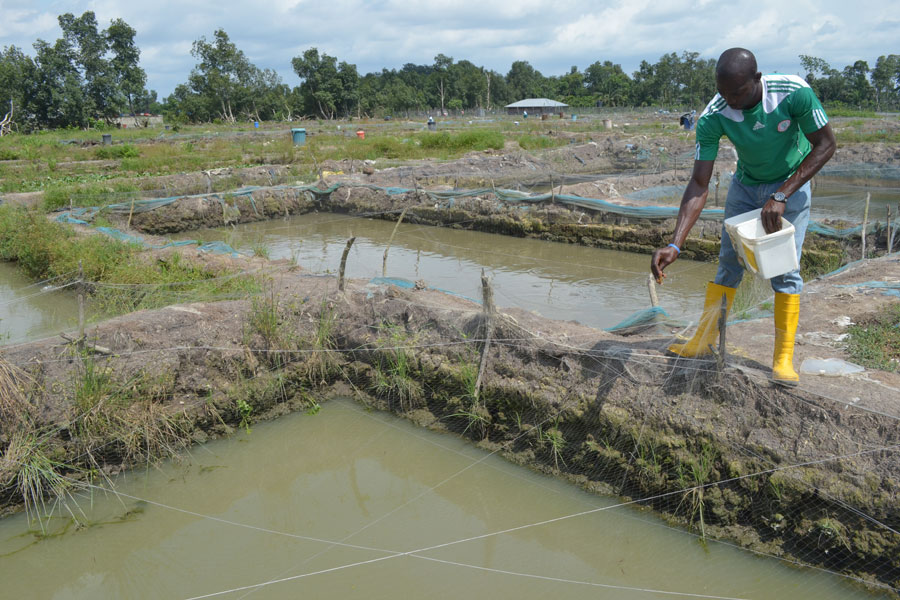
x: 662, y: 258
x: 771, y: 215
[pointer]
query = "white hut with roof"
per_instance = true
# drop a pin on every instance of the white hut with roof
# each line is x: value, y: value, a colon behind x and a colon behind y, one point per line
x: 536, y: 106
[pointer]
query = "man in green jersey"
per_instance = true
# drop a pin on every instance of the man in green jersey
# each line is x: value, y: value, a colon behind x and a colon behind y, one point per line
x: 783, y: 138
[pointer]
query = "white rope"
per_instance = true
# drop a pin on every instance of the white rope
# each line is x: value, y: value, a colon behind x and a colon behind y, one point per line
x: 576, y: 582
x: 546, y: 521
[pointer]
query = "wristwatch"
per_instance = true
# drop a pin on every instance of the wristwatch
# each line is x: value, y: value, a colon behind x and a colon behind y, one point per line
x: 778, y: 197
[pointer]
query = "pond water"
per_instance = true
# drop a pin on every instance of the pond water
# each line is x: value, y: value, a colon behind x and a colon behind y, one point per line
x: 596, y: 287
x: 352, y: 504
x: 31, y: 311
x: 848, y: 202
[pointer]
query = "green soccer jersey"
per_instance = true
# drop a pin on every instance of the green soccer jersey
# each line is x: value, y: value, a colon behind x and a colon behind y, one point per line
x: 769, y: 137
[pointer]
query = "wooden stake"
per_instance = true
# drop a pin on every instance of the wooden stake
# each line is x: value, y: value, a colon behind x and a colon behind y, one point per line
x: 344, y: 263
x: 131, y: 212
x: 487, y: 295
x: 865, y: 223
x: 717, y: 188
x: 391, y: 241
x: 651, y: 285
x: 890, y: 233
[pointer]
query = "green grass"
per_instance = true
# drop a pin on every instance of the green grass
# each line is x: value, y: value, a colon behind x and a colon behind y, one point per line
x: 321, y: 361
x: 875, y: 340
x: 394, y: 370
x: 89, y: 194
x: 125, y: 279
x: 552, y: 439
x: 693, y: 475
x: 857, y: 137
x: 123, y: 151
x: 465, y: 141
x: 26, y: 468
x: 123, y: 419
x: 850, y: 112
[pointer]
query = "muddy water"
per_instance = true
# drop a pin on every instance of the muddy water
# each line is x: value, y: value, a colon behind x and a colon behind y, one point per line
x: 270, y: 505
x: 29, y: 311
x: 561, y: 281
x: 848, y: 202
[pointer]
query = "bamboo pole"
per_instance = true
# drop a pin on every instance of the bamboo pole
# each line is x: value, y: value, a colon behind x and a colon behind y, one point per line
x: 865, y: 224
x: 344, y: 263
x: 391, y: 241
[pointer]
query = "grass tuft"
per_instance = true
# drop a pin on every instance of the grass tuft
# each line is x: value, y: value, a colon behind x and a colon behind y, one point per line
x: 26, y: 468
x: 875, y: 340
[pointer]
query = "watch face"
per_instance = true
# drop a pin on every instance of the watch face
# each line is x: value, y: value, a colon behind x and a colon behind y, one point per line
x: 778, y: 197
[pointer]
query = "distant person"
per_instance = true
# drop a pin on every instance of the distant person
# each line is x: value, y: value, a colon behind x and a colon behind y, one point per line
x: 524, y: 114
x: 430, y: 119
x: 783, y: 138
x: 687, y: 120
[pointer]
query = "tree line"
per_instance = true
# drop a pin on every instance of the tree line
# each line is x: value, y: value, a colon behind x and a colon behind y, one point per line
x: 87, y: 75
x: 90, y: 75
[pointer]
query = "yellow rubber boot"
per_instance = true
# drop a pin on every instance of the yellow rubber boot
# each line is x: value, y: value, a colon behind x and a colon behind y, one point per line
x: 708, y: 328
x: 787, y: 313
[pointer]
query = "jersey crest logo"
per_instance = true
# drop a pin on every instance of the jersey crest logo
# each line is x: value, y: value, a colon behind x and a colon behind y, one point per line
x: 782, y: 127
x: 758, y: 126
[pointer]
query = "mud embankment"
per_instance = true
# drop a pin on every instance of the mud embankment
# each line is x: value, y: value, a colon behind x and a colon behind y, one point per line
x: 716, y: 451
x: 552, y: 221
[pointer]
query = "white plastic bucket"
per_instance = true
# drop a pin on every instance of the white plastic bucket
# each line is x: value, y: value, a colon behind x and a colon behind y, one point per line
x: 768, y: 254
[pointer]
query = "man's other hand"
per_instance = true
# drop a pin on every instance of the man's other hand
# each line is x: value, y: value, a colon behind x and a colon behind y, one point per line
x: 662, y: 258
x: 771, y: 216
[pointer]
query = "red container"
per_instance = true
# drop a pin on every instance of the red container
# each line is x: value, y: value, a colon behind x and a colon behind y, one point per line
x: 361, y: 134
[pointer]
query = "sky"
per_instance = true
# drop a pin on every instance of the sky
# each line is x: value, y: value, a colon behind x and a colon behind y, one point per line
x: 552, y: 35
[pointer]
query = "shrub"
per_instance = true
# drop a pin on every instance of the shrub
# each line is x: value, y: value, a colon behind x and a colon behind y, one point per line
x: 111, y: 152
x: 465, y: 141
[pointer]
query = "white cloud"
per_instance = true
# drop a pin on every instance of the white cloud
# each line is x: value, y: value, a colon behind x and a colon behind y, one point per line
x: 24, y: 24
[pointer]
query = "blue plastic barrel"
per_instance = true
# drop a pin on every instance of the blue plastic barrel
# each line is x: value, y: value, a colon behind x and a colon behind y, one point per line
x: 256, y: 124
x: 299, y: 136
